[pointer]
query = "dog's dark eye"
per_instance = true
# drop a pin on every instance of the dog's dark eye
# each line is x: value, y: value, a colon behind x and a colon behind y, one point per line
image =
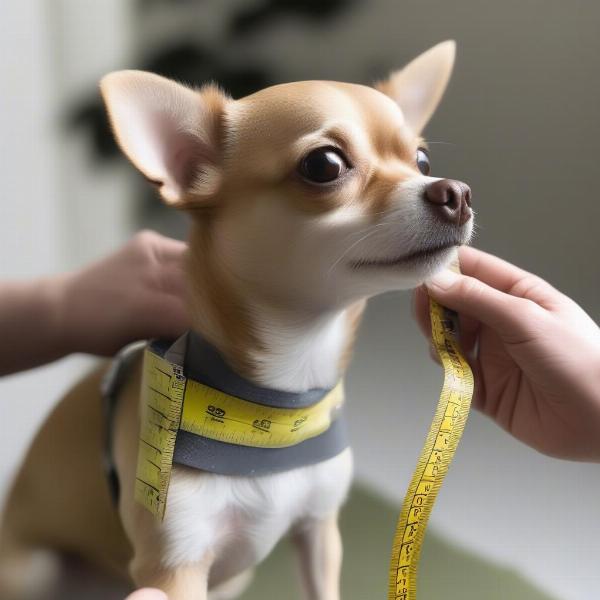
x: 323, y: 165
x: 423, y: 161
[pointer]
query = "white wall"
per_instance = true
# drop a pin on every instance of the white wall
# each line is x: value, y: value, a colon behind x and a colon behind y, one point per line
x: 56, y: 210
x: 30, y: 223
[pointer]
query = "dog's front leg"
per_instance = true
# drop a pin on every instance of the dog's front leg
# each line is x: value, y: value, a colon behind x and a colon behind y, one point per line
x: 319, y: 548
x: 185, y: 582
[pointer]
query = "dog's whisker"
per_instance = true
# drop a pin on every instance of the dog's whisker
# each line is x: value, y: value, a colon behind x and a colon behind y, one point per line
x: 345, y: 253
x: 375, y: 229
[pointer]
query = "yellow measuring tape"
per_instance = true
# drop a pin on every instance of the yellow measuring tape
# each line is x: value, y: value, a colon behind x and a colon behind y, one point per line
x: 213, y: 414
x: 440, y: 445
x: 163, y: 389
x: 171, y: 402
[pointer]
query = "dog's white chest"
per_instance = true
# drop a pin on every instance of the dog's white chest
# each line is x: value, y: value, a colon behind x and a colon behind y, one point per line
x: 240, y: 519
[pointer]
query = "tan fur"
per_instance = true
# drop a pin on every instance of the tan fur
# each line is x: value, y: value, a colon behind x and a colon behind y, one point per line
x: 62, y: 483
x: 216, y: 308
x: 260, y: 257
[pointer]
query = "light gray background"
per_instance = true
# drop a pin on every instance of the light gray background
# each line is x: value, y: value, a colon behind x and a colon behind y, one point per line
x: 520, y: 123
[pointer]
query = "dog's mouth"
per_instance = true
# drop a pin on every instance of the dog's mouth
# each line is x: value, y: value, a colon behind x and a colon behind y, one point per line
x: 423, y: 255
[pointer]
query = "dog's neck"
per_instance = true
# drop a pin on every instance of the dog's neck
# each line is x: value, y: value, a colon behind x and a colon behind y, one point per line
x: 281, y: 348
x: 290, y: 352
x: 300, y: 352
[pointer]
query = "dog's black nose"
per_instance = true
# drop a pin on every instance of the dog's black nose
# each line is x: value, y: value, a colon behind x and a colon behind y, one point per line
x: 451, y: 199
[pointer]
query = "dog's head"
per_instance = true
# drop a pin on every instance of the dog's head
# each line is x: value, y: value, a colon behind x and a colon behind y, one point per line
x: 312, y: 193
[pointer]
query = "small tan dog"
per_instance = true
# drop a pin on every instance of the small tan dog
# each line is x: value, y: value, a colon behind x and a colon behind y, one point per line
x: 305, y: 200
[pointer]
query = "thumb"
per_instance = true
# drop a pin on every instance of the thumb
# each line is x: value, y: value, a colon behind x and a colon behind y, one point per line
x: 507, y: 315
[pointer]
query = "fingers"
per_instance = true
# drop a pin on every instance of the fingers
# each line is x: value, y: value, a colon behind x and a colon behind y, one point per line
x: 508, y: 278
x: 170, y: 251
x: 171, y: 279
x: 171, y: 319
x: 510, y: 316
x: 468, y: 327
x: 157, y: 296
x: 490, y: 269
x: 164, y: 259
x: 165, y: 247
x: 171, y: 256
x: 495, y: 292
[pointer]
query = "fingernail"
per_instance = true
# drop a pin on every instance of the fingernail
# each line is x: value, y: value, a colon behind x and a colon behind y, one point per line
x: 442, y: 280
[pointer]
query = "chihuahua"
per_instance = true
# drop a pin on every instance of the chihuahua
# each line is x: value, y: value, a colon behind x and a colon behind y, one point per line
x: 305, y: 199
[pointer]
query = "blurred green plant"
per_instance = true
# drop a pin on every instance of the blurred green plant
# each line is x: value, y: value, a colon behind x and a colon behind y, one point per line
x: 192, y: 62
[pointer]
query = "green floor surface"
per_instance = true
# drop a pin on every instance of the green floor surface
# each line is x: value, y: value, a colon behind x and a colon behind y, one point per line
x: 446, y: 572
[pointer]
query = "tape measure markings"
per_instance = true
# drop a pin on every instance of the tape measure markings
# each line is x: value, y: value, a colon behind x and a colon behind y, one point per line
x: 171, y: 402
x: 163, y: 389
x: 440, y: 445
x: 219, y: 416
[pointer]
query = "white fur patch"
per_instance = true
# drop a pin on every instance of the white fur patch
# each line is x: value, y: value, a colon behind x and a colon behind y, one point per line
x: 303, y: 356
x: 240, y: 519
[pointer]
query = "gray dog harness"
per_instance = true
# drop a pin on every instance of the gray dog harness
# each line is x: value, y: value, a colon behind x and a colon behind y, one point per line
x: 203, y: 363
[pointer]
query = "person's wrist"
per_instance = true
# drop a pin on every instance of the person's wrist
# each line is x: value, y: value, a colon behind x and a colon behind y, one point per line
x: 57, y: 294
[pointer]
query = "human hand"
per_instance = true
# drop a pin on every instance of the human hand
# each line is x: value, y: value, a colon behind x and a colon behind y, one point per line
x: 135, y: 293
x: 535, y: 353
x: 147, y: 594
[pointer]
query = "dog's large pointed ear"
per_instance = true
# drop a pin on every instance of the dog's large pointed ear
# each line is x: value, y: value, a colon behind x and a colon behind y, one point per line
x: 419, y: 87
x: 170, y: 132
